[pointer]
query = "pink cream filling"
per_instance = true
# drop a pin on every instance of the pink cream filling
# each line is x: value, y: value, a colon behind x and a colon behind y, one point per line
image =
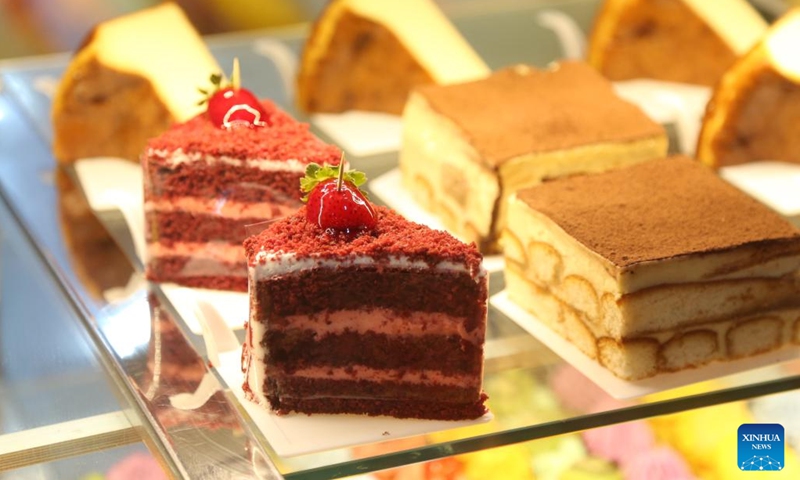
x: 222, y: 207
x: 213, y: 258
x: 381, y: 320
x: 359, y: 372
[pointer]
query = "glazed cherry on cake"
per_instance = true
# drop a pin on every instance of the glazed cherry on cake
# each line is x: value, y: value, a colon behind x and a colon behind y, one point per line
x: 231, y: 106
x: 334, y: 199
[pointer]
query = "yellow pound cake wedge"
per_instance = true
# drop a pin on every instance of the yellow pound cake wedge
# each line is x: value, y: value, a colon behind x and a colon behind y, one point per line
x: 367, y: 55
x: 754, y: 113
x: 133, y: 77
x: 689, y: 41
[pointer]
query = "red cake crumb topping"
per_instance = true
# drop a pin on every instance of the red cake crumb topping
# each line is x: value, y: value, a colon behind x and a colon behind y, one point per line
x: 283, y: 139
x: 392, y: 236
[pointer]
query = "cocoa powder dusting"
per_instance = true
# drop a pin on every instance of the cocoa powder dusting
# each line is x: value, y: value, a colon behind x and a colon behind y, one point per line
x: 658, y: 210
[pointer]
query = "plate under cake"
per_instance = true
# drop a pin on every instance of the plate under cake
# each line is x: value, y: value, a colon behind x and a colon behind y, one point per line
x: 689, y: 41
x: 368, y: 55
x: 387, y: 322
x: 204, y: 184
x: 655, y: 268
x: 754, y: 112
x: 468, y: 147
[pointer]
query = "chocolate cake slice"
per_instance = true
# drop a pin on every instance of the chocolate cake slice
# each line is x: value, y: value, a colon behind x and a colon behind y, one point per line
x: 204, y: 183
x: 389, y: 320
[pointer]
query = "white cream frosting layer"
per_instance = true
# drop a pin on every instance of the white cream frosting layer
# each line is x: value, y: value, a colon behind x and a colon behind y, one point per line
x: 268, y: 264
x: 178, y: 157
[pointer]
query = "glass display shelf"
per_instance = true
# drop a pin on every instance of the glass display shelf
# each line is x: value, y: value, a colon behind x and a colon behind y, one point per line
x: 151, y: 354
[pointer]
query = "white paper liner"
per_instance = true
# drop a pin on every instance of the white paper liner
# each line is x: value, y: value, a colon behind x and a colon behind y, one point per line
x: 625, y: 389
x: 299, y: 434
x: 390, y: 190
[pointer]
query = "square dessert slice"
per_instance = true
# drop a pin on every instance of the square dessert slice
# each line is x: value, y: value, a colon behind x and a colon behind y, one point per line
x: 386, y: 321
x: 657, y: 267
x: 467, y: 147
x: 204, y: 183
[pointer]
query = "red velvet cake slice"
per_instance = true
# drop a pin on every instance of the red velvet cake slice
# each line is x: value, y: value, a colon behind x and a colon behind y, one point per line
x: 205, y: 181
x: 388, y: 319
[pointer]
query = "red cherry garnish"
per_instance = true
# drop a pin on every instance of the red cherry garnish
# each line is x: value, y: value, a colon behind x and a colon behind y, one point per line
x: 344, y: 208
x: 229, y: 107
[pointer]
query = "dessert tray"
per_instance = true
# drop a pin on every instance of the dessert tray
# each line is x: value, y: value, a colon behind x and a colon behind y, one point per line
x: 627, y: 389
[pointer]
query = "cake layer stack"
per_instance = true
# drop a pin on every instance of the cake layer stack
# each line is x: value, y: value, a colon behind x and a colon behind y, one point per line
x: 655, y: 268
x: 204, y: 184
x: 390, y: 321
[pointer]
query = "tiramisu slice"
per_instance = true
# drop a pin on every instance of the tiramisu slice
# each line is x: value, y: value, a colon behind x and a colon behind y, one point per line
x: 467, y: 147
x: 657, y: 267
x: 354, y: 309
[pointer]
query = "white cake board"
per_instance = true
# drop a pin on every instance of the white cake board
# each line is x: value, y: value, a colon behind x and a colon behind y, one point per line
x: 625, y: 389
x: 299, y: 434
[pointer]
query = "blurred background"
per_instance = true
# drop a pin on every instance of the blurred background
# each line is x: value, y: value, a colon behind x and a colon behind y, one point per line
x: 35, y: 27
